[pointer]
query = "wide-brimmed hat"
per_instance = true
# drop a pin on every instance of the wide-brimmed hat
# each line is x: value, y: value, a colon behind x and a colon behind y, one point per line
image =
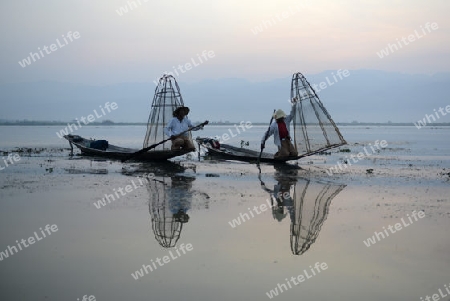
x: 177, y: 110
x: 279, y: 114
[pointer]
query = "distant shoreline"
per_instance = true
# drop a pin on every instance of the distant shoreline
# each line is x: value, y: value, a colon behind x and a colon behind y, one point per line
x: 110, y: 123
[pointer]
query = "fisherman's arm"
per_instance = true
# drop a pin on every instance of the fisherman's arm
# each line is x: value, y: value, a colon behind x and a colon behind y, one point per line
x: 194, y: 128
x: 267, y: 134
x: 168, y: 129
x: 292, y: 113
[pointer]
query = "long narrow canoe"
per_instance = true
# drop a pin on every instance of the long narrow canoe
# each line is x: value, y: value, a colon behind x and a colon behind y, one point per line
x: 230, y: 152
x: 119, y: 153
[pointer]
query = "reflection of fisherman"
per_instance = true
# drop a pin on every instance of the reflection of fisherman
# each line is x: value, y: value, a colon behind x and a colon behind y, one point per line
x: 168, y: 207
x: 281, y: 193
x: 180, y: 197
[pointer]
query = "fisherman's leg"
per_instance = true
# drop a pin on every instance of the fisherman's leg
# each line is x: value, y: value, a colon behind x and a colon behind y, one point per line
x: 292, y: 151
x: 188, y: 145
x: 277, y: 154
x: 177, y: 143
x: 284, y: 149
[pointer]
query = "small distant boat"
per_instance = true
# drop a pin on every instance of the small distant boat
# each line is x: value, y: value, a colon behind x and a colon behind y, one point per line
x: 100, y: 148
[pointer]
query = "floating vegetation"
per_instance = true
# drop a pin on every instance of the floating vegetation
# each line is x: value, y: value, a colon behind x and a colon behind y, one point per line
x: 212, y: 175
x: 244, y: 143
x: 325, y: 153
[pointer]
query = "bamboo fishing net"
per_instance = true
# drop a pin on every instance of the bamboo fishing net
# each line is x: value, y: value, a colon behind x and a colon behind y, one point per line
x: 307, y: 203
x: 169, y: 202
x: 314, y: 130
x: 309, y: 212
x: 166, y: 228
x: 166, y: 99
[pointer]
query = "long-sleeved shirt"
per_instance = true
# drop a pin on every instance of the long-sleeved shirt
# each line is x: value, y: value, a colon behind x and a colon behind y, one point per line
x: 175, y: 127
x: 273, y: 129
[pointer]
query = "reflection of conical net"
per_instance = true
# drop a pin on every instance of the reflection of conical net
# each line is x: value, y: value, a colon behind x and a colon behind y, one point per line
x: 311, y: 203
x: 166, y: 228
x: 167, y: 98
x: 314, y: 130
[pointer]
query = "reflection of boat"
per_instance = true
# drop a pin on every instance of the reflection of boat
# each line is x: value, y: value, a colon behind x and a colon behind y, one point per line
x: 307, y: 202
x: 314, y: 130
x: 167, y: 98
x: 119, y: 153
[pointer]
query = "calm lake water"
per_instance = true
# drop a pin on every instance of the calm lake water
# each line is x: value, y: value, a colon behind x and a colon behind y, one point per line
x: 176, y: 235
x: 428, y: 141
x: 429, y: 146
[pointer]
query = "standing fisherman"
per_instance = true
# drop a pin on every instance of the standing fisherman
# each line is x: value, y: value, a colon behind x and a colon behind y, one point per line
x: 280, y: 131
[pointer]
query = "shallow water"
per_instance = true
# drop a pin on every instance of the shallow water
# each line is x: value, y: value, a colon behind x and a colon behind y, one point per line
x: 321, y: 219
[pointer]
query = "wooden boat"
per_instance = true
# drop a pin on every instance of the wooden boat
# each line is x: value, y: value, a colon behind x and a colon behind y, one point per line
x: 230, y: 152
x: 119, y: 153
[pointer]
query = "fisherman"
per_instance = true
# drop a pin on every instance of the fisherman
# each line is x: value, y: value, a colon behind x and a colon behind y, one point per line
x: 280, y: 131
x: 178, y: 124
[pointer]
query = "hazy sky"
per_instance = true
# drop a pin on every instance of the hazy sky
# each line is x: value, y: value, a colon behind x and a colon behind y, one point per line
x: 139, y: 45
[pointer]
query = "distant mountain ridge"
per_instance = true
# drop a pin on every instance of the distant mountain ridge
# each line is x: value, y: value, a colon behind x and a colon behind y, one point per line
x: 365, y: 96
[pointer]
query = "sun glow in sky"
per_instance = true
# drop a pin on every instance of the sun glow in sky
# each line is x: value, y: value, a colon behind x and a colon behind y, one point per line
x: 255, y: 40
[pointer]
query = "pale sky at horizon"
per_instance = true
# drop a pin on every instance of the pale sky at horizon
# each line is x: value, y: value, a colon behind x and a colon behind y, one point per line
x: 148, y: 40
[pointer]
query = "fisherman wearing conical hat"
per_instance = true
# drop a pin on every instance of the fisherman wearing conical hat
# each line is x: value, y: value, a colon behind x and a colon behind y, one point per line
x: 280, y: 131
x: 178, y: 124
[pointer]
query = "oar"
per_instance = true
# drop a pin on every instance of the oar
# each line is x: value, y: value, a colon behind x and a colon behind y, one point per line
x: 146, y: 149
x: 265, y: 138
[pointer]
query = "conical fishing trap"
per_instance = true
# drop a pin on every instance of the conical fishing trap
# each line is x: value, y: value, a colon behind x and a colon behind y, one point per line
x: 314, y: 130
x: 167, y: 99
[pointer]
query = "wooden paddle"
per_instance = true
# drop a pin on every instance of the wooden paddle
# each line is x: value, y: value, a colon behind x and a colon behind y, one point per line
x: 146, y: 149
x: 265, y: 138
